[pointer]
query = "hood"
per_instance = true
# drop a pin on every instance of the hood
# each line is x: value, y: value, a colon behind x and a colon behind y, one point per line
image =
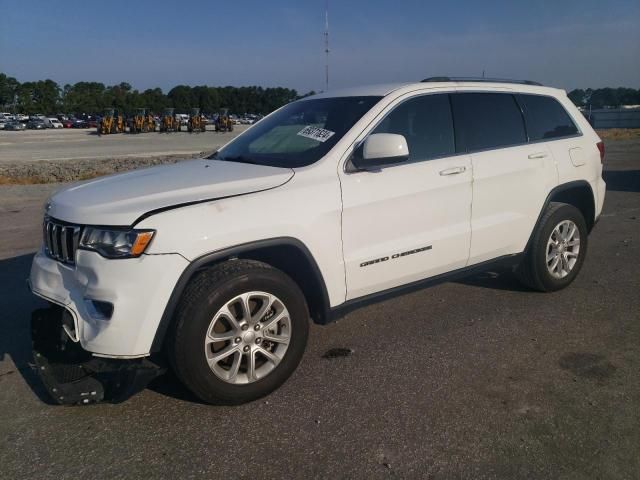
x: 122, y: 199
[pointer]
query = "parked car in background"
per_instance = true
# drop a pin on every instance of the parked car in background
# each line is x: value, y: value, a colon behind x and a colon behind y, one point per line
x: 183, y: 118
x: 80, y: 123
x: 3, y: 122
x: 55, y: 123
x: 68, y: 123
x: 22, y: 118
x: 14, y: 126
x: 36, y: 124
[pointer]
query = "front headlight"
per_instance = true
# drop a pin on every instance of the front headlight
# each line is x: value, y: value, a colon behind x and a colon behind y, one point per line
x: 116, y: 243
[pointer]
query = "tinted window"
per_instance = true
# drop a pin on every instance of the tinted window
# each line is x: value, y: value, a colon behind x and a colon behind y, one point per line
x: 298, y: 134
x: 427, y: 125
x: 487, y: 120
x: 546, y: 118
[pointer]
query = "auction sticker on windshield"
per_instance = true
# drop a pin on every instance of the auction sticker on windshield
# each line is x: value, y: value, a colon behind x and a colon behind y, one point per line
x: 316, y: 133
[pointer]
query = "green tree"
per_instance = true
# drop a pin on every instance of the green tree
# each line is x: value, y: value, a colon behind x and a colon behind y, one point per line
x: 577, y: 96
x: 93, y: 97
x: 8, y: 91
x: 84, y: 98
x: 181, y: 98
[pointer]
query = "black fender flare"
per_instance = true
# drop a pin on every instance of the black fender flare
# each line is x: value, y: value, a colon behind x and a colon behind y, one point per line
x: 556, y: 190
x: 227, y: 254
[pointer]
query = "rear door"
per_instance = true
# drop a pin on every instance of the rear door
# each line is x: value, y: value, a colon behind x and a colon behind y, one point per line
x: 409, y: 221
x: 548, y: 121
x: 511, y: 177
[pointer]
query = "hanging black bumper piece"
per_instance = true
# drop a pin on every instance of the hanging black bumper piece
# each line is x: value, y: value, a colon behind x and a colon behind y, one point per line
x: 73, y: 376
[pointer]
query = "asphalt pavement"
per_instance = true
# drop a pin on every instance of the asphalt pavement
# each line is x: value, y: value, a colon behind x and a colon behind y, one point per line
x: 475, y: 379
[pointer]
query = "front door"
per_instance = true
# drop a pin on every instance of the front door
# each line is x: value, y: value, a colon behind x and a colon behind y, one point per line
x: 409, y: 221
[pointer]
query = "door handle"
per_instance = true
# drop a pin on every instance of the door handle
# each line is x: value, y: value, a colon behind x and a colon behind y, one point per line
x: 453, y: 171
x: 536, y: 156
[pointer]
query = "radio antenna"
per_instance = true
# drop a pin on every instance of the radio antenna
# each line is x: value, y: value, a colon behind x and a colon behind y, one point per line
x: 326, y: 45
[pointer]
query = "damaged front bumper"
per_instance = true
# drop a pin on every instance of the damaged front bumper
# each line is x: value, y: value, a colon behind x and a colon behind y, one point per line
x: 73, y: 376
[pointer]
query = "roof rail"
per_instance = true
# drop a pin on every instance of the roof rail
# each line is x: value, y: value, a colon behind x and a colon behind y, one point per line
x: 480, y: 79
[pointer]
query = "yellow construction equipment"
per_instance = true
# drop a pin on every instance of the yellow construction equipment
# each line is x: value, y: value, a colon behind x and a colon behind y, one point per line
x: 223, y: 122
x: 111, y: 122
x: 151, y: 122
x: 168, y: 122
x: 196, y: 122
x: 142, y: 122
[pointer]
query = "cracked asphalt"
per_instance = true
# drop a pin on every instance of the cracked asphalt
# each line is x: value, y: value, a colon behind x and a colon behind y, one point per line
x: 475, y: 379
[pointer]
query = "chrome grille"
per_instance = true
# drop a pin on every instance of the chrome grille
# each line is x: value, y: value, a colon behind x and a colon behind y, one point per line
x: 61, y: 240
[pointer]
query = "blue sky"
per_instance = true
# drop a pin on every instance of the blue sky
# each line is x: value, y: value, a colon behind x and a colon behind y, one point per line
x: 568, y: 44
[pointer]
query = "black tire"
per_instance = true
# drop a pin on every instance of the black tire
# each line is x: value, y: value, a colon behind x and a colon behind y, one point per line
x: 533, y: 271
x: 205, y: 295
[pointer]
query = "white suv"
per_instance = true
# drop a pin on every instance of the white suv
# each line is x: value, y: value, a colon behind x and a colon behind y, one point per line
x: 331, y: 202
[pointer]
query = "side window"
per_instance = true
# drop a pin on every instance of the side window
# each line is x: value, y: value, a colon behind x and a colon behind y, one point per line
x: 427, y: 125
x: 487, y: 120
x: 546, y: 118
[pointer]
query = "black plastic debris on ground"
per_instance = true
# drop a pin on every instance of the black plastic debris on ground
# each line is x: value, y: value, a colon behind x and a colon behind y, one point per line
x: 337, y: 353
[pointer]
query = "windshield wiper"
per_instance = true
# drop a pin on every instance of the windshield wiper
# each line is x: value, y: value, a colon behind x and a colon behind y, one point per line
x: 237, y: 159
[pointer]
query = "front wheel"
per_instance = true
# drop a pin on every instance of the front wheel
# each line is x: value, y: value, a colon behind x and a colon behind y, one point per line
x: 557, y: 250
x: 240, y: 331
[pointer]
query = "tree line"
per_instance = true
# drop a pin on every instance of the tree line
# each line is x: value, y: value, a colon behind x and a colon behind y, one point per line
x: 47, y: 97
x: 605, y: 97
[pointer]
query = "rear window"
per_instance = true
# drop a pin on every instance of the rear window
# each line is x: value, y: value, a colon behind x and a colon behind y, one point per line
x: 546, y: 118
x: 487, y: 120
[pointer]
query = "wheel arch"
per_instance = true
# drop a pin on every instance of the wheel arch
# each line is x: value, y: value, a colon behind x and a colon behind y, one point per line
x: 577, y: 193
x: 287, y: 254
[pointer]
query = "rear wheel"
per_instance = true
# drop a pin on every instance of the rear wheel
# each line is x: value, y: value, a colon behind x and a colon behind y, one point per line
x: 557, y: 250
x: 240, y: 331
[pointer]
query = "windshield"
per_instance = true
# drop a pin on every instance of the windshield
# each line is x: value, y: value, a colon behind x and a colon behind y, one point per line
x: 298, y: 134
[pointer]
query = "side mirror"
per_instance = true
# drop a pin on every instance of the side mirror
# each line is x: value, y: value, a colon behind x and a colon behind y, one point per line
x: 381, y: 149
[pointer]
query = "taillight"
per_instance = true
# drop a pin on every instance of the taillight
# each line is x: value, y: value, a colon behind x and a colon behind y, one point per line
x: 600, y: 146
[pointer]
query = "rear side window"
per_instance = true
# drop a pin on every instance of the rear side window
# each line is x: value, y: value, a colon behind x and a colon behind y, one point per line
x: 487, y: 120
x: 546, y: 118
x: 427, y: 125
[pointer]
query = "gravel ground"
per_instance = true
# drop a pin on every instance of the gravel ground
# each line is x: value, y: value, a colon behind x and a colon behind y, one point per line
x: 61, y: 171
x: 476, y: 379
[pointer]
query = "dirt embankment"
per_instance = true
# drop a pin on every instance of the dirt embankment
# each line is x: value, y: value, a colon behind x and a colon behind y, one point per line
x: 27, y: 173
x: 619, y: 133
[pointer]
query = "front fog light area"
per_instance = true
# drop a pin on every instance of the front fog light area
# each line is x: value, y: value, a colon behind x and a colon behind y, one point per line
x: 69, y: 325
x: 116, y: 243
x: 98, y: 310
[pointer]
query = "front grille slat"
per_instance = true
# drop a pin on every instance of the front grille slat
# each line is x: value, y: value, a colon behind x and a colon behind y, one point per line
x: 61, y: 240
x: 49, y: 241
x: 64, y: 242
x: 55, y: 238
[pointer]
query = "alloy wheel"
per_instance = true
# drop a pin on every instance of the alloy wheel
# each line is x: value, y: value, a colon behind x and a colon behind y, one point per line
x: 248, y: 337
x: 563, y: 249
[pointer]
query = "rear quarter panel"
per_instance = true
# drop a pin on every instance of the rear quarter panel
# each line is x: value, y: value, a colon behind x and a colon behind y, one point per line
x: 583, y: 146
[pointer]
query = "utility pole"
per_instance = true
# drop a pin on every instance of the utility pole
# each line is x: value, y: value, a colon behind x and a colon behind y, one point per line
x: 326, y: 44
